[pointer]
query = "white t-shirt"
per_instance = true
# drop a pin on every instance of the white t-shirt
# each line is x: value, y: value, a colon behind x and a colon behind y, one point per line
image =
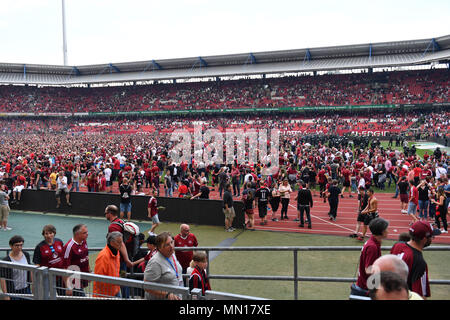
x: 108, y: 173
x: 62, y: 182
x: 20, y: 276
x: 440, y: 171
x: 286, y: 190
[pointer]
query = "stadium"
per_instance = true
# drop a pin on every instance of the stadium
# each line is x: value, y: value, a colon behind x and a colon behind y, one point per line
x: 344, y: 110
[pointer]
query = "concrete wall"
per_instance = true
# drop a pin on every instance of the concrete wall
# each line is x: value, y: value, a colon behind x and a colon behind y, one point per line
x: 198, y: 211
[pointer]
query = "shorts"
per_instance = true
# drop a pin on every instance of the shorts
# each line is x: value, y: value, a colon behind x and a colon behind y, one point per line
x: 155, y: 219
x: 361, y: 217
x: 346, y: 184
x: 18, y: 188
x: 412, y: 208
x: 249, y: 211
x: 312, y: 184
x: 369, y: 217
x: 229, y: 213
x: 58, y: 191
x: 108, y: 183
x: 262, y: 210
x: 125, y: 207
x: 403, y: 197
x: 4, y: 213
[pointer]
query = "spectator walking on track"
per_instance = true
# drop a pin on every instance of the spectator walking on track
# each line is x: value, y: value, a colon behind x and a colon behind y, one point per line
x: 304, y: 204
x: 228, y: 209
x: 333, y: 193
x: 369, y: 213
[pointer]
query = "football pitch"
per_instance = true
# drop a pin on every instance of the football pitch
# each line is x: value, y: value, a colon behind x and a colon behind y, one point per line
x: 256, y: 263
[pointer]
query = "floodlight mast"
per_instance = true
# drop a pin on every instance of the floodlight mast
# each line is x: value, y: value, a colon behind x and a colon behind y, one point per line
x: 64, y: 31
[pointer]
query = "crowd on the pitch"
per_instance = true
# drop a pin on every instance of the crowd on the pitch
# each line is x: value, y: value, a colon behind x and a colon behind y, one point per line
x: 99, y: 163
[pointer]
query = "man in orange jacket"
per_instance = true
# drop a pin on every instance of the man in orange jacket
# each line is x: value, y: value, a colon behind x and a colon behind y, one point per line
x: 108, y: 264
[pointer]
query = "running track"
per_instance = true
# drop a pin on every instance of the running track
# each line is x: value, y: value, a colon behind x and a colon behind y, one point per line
x: 345, y: 224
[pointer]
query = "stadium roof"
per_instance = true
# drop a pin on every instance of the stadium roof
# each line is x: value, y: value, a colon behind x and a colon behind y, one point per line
x: 376, y: 55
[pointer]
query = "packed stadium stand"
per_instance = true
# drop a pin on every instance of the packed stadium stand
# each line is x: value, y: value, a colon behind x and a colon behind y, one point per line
x: 404, y: 87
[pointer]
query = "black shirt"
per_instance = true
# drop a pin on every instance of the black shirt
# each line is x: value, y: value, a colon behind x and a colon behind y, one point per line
x: 423, y: 193
x: 403, y: 187
x: 125, y: 193
x: 227, y: 199
x: 334, y: 193
x: 263, y: 196
x: 204, y: 190
x: 305, y: 197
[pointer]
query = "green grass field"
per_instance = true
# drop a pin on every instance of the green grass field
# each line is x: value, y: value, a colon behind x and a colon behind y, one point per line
x: 280, y: 263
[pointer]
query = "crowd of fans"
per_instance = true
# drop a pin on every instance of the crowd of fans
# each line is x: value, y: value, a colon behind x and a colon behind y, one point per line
x: 316, y: 152
x: 403, y: 87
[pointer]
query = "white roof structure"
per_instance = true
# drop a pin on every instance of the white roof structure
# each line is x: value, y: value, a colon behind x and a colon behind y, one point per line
x: 359, y: 56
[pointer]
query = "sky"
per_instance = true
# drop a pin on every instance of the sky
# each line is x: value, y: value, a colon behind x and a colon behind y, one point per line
x: 114, y: 31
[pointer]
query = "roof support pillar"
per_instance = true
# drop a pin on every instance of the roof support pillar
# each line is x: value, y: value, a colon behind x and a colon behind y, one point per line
x: 434, y: 47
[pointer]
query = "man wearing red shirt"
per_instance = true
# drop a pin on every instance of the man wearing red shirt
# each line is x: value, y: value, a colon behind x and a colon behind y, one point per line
x: 413, y: 201
x: 49, y: 253
x: 148, y: 176
x: 185, y: 239
x: 417, y: 173
x: 422, y: 235
x: 20, y: 184
x: 371, y: 251
x: 426, y: 172
x: 183, y: 190
x: 76, y: 257
x: 346, y: 174
x: 322, y: 181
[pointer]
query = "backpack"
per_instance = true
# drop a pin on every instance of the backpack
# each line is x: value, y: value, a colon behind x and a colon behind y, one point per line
x: 130, y: 233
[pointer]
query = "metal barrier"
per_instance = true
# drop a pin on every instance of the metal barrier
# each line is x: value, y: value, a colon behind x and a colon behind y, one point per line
x: 45, y: 282
x: 295, y: 278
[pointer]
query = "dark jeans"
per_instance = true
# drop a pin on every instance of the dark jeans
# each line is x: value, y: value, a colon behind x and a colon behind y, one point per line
x: 26, y: 290
x: 438, y: 219
x: 284, y: 206
x: 333, y: 207
x: 303, y: 210
x: 236, y: 189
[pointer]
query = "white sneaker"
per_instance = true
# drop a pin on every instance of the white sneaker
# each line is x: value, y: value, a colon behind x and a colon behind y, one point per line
x: 444, y: 231
x: 7, y: 229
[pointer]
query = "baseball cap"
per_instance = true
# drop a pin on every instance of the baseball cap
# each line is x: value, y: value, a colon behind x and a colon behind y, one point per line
x: 422, y: 229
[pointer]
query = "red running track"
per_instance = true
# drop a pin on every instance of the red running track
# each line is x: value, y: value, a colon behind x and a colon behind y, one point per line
x: 345, y: 224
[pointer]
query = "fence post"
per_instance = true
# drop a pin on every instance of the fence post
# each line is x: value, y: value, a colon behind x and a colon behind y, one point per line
x: 52, y: 286
x: 37, y: 287
x: 295, y: 275
x: 40, y: 283
x: 44, y: 285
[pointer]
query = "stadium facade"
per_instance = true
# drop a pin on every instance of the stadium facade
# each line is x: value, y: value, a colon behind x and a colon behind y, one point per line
x: 425, y: 53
